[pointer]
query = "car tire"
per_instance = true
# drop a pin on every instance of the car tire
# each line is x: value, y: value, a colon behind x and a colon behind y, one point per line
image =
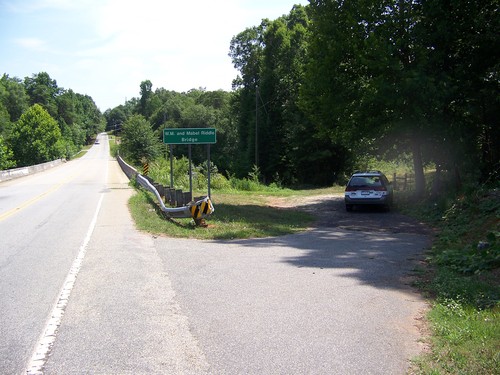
x: 348, y: 207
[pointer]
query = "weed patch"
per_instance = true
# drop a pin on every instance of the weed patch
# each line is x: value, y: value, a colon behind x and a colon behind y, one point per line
x: 462, y: 279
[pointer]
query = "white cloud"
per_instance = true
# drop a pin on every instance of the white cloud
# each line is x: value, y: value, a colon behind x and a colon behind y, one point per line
x: 31, y: 43
x: 106, y: 48
x: 177, y: 45
x: 30, y: 6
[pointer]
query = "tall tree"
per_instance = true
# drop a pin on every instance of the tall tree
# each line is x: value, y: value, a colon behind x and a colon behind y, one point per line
x: 36, y: 137
x: 270, y: 59
x: 115, y: 118
x: 5, y: 123
x: 404, y: 88
x: 411, y: 72
x: 146, y: 93
x: 13, y: 97
x: 6, y: 155
x: 336, y: 81
x: 139, y: 141
x: 246, y: 52
x: 368, y: 67
x: 218, y: 104
x: 462, y: 37
x: 292, y: 151
x: 43, y: 90
x: 89, y: 116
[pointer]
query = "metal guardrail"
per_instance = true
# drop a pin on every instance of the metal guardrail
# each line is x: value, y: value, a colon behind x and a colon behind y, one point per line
x: 197, y: 210
x: 130, y: 171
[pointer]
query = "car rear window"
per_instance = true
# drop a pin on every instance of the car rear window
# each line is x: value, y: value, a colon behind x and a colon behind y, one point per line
x: 365, y: 181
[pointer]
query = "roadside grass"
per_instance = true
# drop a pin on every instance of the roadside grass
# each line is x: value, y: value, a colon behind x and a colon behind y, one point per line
x: 113, y: 146
x: 82, y: 152
x: 462, y: 281
x: 237, y: 215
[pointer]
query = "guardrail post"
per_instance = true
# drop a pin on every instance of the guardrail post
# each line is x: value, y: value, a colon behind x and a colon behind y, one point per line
x: 179, y: 198
x: 161, y: 190
x: 171, y: 196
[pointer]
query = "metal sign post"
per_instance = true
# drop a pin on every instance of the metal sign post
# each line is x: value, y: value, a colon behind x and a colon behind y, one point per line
x: 208, y: 169
x: 190, y: 173
x: 172, y: 166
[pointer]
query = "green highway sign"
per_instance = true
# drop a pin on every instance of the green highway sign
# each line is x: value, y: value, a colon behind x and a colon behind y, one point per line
x: 187, y: 136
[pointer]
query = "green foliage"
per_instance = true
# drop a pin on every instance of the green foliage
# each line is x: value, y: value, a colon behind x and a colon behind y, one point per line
x: 401, y: 165
x: 195, y: 108
x: 245, y: 184
x: 401, y: 73
x: 219, y: 182
x: 273, y: 132
x: 466, y: 340
x: 5, y: 124
x: 146, y: 92
x: 463, y: 279
x: 43, y: 90
x: 115, y: 118
x: 36, y: 137
x: 469, y: 242
x: 6, y: 156
x: 13, y: 97
x: 160, y: 172
x: 76, y: 115
x: 139, y: 142
x: 80, y: 115
x: 335, y: 84
x: 113, y: 147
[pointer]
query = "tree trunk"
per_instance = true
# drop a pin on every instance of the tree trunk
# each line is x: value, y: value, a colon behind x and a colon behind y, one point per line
x: 418, y: 168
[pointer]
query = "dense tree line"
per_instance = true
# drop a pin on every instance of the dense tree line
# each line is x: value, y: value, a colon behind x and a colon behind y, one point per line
x: 334, y: 82
x: 156, y: 110
x: 337, y: 80
x: 408, y: 75
x: 40, y: 121
x: 319, y: 90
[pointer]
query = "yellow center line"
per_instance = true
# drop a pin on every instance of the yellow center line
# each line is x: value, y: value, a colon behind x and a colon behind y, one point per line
x: 28, y: 203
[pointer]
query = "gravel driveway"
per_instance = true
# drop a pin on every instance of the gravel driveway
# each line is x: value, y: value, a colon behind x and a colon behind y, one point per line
x: 330, y: 212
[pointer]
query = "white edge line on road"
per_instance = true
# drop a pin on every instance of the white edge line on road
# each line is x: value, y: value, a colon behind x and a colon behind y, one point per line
x: 46, y: 341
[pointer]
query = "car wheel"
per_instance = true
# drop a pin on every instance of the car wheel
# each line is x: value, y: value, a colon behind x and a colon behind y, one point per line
x: 348, y: 207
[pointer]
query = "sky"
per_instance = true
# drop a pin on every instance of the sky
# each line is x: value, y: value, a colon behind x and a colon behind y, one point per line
x: 106, y: 48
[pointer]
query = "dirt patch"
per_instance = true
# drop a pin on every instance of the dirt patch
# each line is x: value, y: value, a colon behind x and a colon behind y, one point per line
x: 329, y: 211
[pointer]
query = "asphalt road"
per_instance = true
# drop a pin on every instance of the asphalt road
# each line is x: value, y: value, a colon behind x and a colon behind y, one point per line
x: 328, y: 301
x: 333, y: 300
x: 43, y: 221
